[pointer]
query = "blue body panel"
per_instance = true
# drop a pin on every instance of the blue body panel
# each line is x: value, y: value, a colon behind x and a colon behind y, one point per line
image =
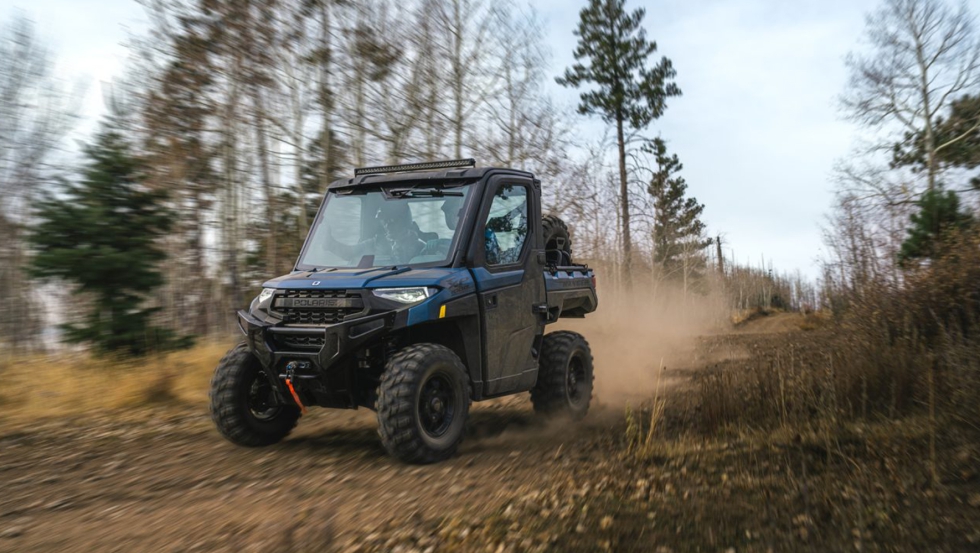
x: 452, y: 284
x: 347, y: 279
x: 485, y: 280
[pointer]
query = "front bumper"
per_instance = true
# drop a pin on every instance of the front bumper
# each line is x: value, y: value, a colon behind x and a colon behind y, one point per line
x: 337, y: 339
x: 330, y: 372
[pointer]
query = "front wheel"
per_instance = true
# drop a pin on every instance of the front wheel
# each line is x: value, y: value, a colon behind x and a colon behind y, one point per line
x: 423, y: 402
x: 565, y: 376
x: 244, y: 406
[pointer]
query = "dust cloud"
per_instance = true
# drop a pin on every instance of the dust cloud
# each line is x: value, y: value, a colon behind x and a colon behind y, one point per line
x: 632, y: 333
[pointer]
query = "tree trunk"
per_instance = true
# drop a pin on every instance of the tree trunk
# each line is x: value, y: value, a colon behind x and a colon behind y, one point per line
x: 230, y: 207
x: 721, y: 258
x: 458, y: 89
x: 271, y: 238
x: 685, y: 259
x: 300, y: 157
x: 198, y: 249
x: 624, y: 203
x: 326, y: 139
x: 358, y: 138
x: 930, y: 145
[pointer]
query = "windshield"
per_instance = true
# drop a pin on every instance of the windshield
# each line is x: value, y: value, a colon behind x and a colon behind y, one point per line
x: 391, y: 227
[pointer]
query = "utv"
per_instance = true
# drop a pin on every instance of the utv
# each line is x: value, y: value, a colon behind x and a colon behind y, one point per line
x: 420, y: 288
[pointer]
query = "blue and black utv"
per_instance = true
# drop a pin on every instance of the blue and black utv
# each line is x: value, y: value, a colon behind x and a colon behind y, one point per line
x: 420, y: 288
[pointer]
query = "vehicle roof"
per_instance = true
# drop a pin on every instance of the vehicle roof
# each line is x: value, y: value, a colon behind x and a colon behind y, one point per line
x: 455, y: 174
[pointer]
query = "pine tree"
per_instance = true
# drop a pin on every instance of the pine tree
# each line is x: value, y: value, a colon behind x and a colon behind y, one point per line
x: 939, y: 215
x: 678, y: 232
x: 101, y: 235
x: 627, y: 93
x: 959, y: 130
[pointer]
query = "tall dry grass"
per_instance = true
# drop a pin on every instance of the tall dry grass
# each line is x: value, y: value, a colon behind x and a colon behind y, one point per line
x: 642, y: 427
x: 896, y: 351
x: 77, y: 384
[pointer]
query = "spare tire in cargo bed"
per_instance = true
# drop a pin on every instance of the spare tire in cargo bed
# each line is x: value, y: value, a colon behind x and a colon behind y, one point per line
x: 557, y: 244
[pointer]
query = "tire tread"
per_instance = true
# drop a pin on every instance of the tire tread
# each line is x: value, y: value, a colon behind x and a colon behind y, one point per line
x: 548, y: 394
x: 396, y: 403
x: 229, y: 419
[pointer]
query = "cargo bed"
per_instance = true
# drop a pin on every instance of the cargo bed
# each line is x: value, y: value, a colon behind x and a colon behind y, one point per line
x: 571, y: 291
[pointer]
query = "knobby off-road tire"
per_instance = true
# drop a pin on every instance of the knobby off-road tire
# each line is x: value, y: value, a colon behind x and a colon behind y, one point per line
x: 556, y: 239
x: 243, y: 405
x: 423, y: 403
x: 565, y: 376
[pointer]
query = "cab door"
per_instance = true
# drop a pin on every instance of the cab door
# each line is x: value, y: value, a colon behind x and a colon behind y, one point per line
x: 510, y: 285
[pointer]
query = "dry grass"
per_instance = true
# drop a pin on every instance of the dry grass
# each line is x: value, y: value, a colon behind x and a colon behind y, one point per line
x: 745, y: 316
x: 828, y: 376
x: 641, y: 428
x: 809, y: 441
x: 77, y: 384
x: 754, y: 490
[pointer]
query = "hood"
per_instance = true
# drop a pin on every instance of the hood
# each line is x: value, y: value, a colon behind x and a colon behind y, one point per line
x: 383, y: 277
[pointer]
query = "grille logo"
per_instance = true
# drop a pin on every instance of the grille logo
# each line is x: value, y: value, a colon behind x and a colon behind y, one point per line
x: 320, y: 303
x: 316, y: 283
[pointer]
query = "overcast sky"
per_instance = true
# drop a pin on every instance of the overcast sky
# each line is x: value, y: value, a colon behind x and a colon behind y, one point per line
x: 757, y: 128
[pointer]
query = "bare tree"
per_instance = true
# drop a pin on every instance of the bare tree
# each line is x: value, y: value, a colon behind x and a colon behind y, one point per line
x: 434, y: 78
x: 325, y: 95
x: 468, y: 29
x: 525, y: 129
x: 389, y: 50
x: 37, y: 111
x: 293, y: 77
x: 923, y: 55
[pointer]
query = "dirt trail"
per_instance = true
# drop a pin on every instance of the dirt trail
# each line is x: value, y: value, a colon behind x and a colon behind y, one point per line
x: 771, y: 323
x: 169, y: 483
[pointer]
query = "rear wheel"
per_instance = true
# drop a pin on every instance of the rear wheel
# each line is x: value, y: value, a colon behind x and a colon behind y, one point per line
x: 423, y: 402
x: 244, y: 406
x: 565, y: 376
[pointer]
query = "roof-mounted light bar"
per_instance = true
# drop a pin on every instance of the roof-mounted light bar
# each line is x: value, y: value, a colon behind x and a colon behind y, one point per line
x: 428, y: 166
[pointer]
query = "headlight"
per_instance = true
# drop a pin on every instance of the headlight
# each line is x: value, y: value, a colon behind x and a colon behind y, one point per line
x: 266, y: 294
x: 405, y: 295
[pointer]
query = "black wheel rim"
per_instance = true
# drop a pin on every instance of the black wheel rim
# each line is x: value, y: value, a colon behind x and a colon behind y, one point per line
x: 576, y: 379
x: 437, y: 405
x: 261, y: 400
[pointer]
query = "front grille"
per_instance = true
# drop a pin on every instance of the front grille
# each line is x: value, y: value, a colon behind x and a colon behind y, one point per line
x: 317, y: 307
x: 298, y: 342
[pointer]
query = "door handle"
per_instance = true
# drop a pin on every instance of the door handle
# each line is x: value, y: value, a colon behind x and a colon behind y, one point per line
x: 542, y: 311
x: 492, y: 301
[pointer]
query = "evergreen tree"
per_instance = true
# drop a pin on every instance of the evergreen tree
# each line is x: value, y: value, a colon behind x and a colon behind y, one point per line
x: 939, y: 215
x: 627, y: 93
x: 101, y: 234
x: 959, y: 131
x: 678, y: 232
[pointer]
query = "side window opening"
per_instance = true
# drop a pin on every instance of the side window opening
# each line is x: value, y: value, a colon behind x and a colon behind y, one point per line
x: 506, y: 230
